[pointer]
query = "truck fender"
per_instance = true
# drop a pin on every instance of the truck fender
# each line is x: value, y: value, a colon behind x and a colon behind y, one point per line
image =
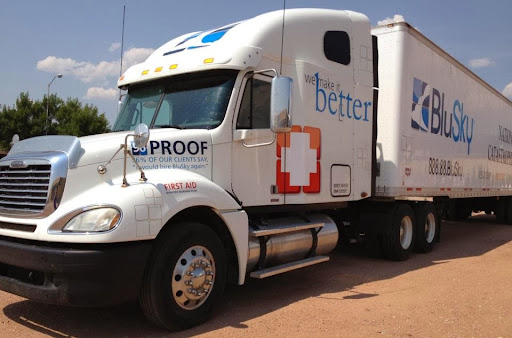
x: 188, y: 190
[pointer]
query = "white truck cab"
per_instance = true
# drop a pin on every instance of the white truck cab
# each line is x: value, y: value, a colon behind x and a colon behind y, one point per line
x: 247, y: 150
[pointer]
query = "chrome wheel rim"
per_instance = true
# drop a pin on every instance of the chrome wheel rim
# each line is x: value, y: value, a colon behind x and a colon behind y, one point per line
x: 430, y: 228
x: 406, y: 231
x: 193, y: 277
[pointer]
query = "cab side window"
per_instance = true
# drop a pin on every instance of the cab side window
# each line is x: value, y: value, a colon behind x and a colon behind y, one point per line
x: 255, y: 107
x: 337, y: 47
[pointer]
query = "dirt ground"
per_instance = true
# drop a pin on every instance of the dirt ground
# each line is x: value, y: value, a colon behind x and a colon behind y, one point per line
x: 462, y: 289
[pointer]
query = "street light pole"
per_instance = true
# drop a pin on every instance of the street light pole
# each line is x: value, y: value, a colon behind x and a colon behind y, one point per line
x: 48, y: 102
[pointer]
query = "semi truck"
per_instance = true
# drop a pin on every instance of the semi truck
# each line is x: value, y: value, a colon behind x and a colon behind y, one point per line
x: 248, y: 151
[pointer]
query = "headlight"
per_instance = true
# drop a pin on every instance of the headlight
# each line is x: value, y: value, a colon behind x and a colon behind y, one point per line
x: 94, y: 220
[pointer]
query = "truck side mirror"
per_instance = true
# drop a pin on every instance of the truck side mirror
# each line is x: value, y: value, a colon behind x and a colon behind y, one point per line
x: 280, y: 104
x: 141, y: 136
x: 15, y: 139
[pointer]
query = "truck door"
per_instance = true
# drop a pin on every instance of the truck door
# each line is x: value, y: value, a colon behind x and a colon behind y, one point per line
x: 254, y: 146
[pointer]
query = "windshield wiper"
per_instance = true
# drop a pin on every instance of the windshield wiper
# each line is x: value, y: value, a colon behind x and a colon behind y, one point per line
x: 176, y: 126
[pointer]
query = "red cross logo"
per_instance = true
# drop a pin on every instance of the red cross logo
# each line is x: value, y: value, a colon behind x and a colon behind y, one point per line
x: 298, y: 161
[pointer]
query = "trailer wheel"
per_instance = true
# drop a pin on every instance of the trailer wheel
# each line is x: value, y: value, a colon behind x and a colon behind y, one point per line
x: 508, y: 211
x: 427, y: 227
x: 397, y: 241
x: 185, y: 277
x: 501, y: 211
x: 458, y: 211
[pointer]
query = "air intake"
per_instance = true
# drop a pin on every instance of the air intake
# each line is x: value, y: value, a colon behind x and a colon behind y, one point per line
x: 24, y: 189
x: 32, y: 187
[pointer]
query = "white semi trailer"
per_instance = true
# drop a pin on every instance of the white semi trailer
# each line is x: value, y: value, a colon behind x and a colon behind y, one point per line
x: 249, y: 151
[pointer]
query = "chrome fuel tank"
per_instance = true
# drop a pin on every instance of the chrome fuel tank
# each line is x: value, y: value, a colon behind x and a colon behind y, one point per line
x: 290, y: 239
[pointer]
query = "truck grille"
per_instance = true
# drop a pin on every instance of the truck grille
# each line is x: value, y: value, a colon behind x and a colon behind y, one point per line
x: 24, y: 189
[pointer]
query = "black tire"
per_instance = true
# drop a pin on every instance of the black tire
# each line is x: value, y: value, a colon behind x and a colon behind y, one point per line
x: 458, y: 211
x: 501, y: 211
x: 185, y: 253
x: 427, y: 227
x: 508, y: 211
x: 398, y: 240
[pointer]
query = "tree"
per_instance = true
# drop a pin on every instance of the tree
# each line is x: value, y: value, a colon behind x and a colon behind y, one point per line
x: 73, y: 119
x: 28, y: 119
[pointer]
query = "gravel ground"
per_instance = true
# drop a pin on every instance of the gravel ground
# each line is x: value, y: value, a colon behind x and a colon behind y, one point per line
x: 462, y: 289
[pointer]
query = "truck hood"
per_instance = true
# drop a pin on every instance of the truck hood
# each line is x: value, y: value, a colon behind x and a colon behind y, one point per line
x: 167, y: 148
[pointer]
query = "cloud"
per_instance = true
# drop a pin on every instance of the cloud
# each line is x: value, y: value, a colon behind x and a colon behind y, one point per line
x: 56, y: 65
x: 508, y: 91
x: 102, y: 93
x: 115, y: 46
x: 135, y: 55
x: 89, y: 72
x: 481, y: 63
x: 394, y: 19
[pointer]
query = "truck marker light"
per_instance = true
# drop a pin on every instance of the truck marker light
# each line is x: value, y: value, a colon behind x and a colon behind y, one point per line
x: 145, y: 72
x: 159, y: 69
x: 173, y: 66
x: 114, y: 221
x: 208, y: 60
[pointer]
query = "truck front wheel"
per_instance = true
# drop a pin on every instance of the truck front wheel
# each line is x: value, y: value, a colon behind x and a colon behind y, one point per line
x: 185, y: 277
x: 427, y: 226
x: 397, y: 241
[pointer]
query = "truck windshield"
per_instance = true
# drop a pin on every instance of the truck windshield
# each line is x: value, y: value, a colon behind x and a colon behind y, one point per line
x: 196, y: 100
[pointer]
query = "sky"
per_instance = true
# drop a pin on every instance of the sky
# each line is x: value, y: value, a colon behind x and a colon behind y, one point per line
x: 81, y: 39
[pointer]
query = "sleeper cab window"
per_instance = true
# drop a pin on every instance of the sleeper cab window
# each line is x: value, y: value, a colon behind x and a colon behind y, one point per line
x: 255, y: 106
x: 337, y: 47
